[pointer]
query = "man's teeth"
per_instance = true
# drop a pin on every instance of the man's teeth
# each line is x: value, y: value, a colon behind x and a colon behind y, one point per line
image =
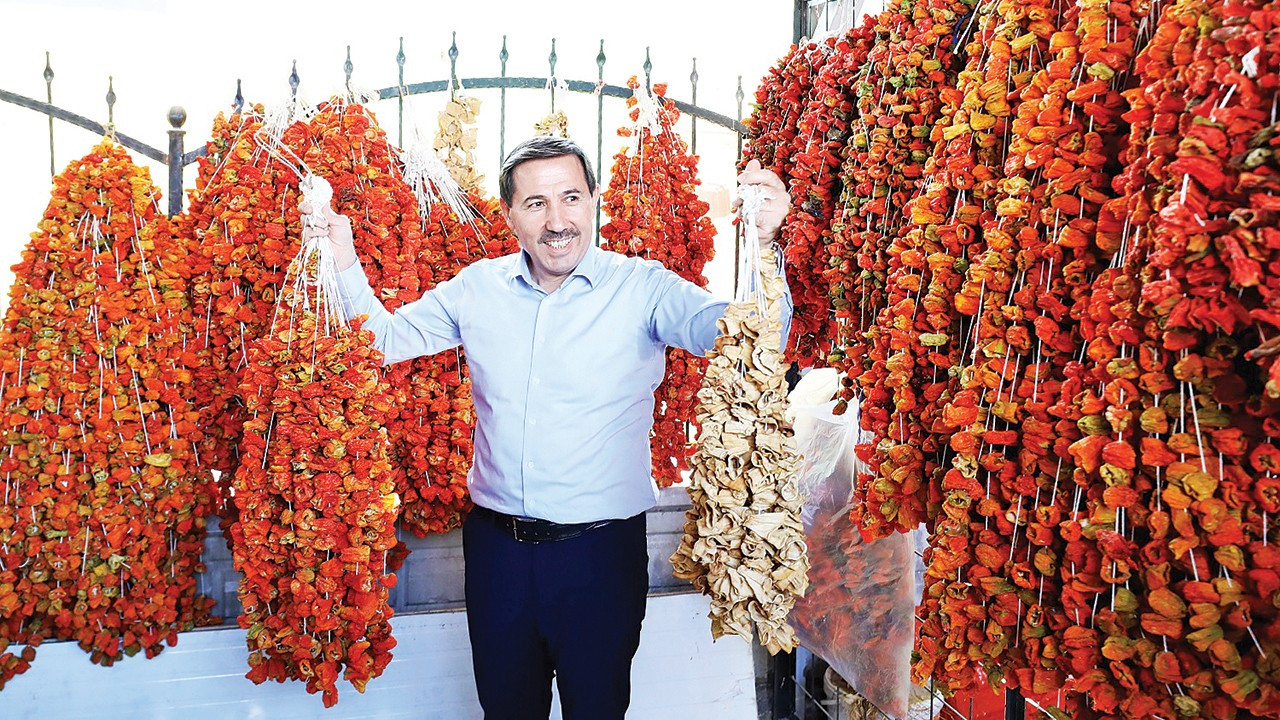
x: 559, y: 244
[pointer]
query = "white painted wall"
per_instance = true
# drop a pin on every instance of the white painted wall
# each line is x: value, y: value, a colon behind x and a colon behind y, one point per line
x: 678, y: 673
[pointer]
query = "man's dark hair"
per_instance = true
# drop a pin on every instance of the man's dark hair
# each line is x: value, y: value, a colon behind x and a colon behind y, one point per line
x: 536, y: 149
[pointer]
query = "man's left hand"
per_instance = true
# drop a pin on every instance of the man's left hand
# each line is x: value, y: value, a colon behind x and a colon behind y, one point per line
x: 775, y: 201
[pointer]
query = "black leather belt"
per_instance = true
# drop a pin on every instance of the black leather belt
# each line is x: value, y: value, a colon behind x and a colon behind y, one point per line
x: 534, y: 530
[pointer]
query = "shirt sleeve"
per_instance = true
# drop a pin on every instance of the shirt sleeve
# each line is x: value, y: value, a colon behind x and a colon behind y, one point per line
x: 685, y: 315
x: 425, y: 326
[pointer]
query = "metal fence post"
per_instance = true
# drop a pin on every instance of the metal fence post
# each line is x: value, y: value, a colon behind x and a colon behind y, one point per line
x: 1015, y: 706
x: 177, y: 116
x: 48, y: 89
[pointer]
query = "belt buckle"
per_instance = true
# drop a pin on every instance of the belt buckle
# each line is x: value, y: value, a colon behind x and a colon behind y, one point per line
x: 515, y: 528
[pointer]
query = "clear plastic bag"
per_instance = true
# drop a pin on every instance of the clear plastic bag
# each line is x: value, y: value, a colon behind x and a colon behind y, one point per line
x: 859, y: 613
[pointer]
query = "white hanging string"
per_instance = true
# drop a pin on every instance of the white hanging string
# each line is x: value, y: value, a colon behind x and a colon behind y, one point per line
x: 750, y: 282
x: 650, y: 113
x: 430, y: 179
x: 1249, y: 63
x: 313, y: 273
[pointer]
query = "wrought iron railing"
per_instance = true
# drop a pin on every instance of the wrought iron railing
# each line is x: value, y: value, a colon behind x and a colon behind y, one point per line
x: 176, y: 157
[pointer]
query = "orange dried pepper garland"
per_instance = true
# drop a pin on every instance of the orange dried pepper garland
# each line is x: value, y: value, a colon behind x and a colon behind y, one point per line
x: 241, y: 249
x: 655, y: 213
x: 814, y: 183
x: 346, y: 146
x: 103, y: 505
x: 1020, y: 289
x: 405, y: 251
x: 953, y: 213
x: 883, y: 164
x: 315, y: 493
x: 776, y: 134
x: 439, y: 417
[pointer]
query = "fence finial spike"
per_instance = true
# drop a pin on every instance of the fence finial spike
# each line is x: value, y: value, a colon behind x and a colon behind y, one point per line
x: 648, y: 69
x: 177, y: 116
x: 111, y: 106
x: 453, y: 67
x: 347, y: 69
x: 293, y: 81
x: 48, y: 68
x: 238, y: 101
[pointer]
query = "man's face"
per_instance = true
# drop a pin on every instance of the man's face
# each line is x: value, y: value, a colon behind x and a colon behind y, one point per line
x: 550, y: 213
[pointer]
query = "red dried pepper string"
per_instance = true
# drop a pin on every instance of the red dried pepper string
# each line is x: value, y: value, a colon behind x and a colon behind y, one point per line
x: 822, y: 132
x: 959, y: 206
x: 316, y: 502
x: 919, y: 65
x: 781, y: 135
x: 655, y: 213
x: 239, y: 229
x: 1197, y: 291
x: 102, y: 506
x: 438, y: 418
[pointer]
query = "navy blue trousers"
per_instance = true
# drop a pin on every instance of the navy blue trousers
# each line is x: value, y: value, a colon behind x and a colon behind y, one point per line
x: 569, y: 609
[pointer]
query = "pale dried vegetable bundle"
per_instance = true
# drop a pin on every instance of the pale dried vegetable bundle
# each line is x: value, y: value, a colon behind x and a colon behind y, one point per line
x: 743, y: 540
x: 456, y: 140
x: 554, y: 125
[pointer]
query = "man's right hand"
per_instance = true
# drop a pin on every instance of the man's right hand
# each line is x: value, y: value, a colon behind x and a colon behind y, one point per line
x: 338, y: 229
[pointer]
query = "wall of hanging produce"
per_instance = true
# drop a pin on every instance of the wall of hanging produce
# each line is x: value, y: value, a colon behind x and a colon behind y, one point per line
x: 1040, y: 240
x: 140, y: 353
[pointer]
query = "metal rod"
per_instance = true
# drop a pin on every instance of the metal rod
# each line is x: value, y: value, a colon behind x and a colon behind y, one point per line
x: 1015, y: 706
x: 400, y: 93
x: 177, y: 116
x: 648, y: 71
x: 347, y: 68
x: 111, y: 104
x: 693, y: 99
x: 504, y: 82
x: 48, y: 91
x: 600, y: 58
x: 453, y: 67
x: 81, y: 121
x: 502, y: 103
x: 551, y: 79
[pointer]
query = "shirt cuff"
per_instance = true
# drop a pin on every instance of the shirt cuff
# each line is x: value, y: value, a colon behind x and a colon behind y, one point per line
x: 356, y: 293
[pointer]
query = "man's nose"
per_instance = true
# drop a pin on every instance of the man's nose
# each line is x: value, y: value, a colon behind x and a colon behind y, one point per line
x: 556, y: 221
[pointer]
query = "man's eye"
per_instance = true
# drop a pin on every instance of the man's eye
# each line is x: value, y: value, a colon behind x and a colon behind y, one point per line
x: 535, y: 205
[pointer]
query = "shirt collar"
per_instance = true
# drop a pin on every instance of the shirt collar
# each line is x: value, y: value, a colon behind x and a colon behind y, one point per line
x: 589, y: 267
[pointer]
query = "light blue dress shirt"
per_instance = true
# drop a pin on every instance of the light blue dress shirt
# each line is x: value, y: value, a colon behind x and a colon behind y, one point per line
x: 563, y: 381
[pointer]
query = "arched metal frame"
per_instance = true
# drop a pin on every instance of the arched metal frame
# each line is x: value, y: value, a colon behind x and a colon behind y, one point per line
x: 177, y: 158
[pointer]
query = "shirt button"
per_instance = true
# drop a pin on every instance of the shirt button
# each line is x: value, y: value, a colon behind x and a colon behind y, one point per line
x: 537, y: 381
x: 533, y: 421
x: 529, y: 464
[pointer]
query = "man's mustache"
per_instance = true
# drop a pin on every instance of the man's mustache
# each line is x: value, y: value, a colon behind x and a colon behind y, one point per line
x: 563, y: 234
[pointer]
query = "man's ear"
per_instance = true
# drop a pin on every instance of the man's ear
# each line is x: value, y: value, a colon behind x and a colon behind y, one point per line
x: 506, y: 210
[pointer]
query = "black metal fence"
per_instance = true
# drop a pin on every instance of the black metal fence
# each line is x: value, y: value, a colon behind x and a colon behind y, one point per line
x: 176, y: 157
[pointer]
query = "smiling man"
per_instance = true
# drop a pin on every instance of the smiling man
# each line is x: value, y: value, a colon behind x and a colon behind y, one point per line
x: 566, y: 344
